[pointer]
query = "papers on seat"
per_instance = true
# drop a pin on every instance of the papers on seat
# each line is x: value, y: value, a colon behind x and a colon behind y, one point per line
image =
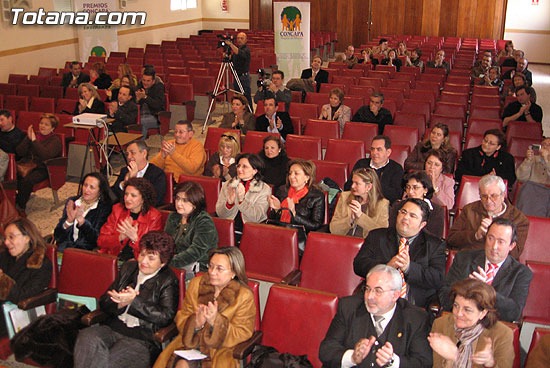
x: 191, y: 354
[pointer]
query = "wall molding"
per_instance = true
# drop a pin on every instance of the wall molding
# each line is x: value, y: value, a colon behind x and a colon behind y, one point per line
x: 124, y: 32
x: 531, y: 31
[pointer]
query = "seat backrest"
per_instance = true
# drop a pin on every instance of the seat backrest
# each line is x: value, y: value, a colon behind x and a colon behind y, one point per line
x: 337, y: 171
x: 485, y: 112
x: 486, y: 100
x: 211, y: 187
x: 296, y: 320
x: 455, y: 124
x: 361, y: 131
x: 28, y: 118
x: 226, y: 231
x: 213, y: 136
x: 522, y: 129
x: 344, y: 150
x: 479, y: 126
x: 354, y: 103
x: 17, y: 103
x: 326, y: 129
x: 451, y: 109
x: 305, y: 111
x: 455, y: 97
x: 485, y: 90
x: 180, y: 274
x: 43, y: 104
x: 468, y: 191
x: 417, y: 107
x: 317, y: 98
x: 399, y: 153
x: 411, y: 120
x: 473, y: 140
x: 302, y: 146
x: 325, y: 252
x: 515, y: 342
x: 461, y: 88
x: 180, y: 93
x: 169, y: 195
x: 518, y: 146
x: 536, y: 248
x: 375, y: 83
x: 86, y: 273
x: 254, y: 141
x: 402, y: 135
x: 537, y: 306
x: 269, y: 260
x: 538, y: 333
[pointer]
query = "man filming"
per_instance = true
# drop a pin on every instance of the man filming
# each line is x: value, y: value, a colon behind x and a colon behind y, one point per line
x: 241, y: 62
x: 275, y: 88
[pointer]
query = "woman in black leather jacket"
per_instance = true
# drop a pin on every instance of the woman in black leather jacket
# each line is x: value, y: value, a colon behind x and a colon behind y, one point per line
x: 142, y: 299
x: 300, y: 201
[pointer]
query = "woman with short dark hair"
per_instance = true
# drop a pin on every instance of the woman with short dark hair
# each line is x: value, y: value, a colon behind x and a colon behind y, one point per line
x: 130, y: 219
x: 471, y: 336
x: 84, y: 214
x: 239, y: 117
x: 142, y: 299
x: 335, y: 109
x: 192, y: 227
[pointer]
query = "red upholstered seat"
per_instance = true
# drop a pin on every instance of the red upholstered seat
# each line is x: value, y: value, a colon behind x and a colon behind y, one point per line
x: 337, y: 171
x: 451, y: 109
x: 473, y: 140
x: 317, y: 99
x: 254, y: 141
x: 302, y: 146
x: 86, y: 273
x: 537, y: 306
x: 523, y: 129
x: 387, y: 68
x: 169, y: 195
x: 183, y: 94
x: 479, y: 126
x: 42, y: 104
x: 375, y: 83
x: 212, y: 139
x: 65, y: 106
x: 18, y: 78
x: 402, y: 135
x: 304, y: 111
x: 360, y: 131
x: 455, y: 97
x: 325, y: 252
x: 326, y: 129
x: 17, y: 103
x: 455, y: 124
x: 343, y: 150
x: 399, y: 153
x: 486, y: 100
x: 517, y: 355
x: 485, y: 90
x: 411, y: 120
x: 468, y: 191
x: 485, y: 112
x: 518, y: 146
x: 180, y: 274
x: 28, y: 90
x: 296, y: 320
x: 536, y: 244
x: 211, y: 188
x: 269, y: 260
x: 538, y: 333
x: 7, y: 89
x: 226, y: 231
x: 424, y: 96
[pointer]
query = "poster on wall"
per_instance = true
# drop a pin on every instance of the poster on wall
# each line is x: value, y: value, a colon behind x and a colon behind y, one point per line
x: 291, y: 23
x: 95, y: 39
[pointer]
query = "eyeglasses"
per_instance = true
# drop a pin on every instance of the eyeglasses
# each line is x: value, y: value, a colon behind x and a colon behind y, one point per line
x: 486, y: 141
x: 493, y: 196
x: 413, y: 187
x: 378, y: 291
x: 411, y: 214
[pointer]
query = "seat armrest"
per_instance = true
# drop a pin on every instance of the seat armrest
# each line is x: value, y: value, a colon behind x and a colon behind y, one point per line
x: 244, y: 349
x: 435, y: 308
x: 164, y: 114
x: 190, y: 103
x: 46, y: 297
x: 166, y: 333
x: 58, y: 161
x: 93, y: 317
x: 293, y: 278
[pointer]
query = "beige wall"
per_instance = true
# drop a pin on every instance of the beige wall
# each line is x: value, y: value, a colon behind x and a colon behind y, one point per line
x: 25, y: 48
x: 529, y: 27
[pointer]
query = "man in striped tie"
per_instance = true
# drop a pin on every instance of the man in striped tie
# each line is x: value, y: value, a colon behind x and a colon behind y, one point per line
x: 495, y: 266
x: 418, y: 255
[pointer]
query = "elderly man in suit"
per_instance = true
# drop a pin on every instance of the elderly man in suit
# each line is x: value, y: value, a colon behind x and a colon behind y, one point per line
x: 417, y: 254
x: 495, y: 266
x: 378, y: 327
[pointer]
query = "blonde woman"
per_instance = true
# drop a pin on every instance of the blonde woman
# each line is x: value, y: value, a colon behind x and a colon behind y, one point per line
x: 89, y: 101
x: 363, y: 208
x: 222, y: 163
x: 124, y: 69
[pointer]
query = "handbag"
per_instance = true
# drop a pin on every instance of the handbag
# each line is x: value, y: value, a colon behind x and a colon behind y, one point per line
x: 24, y: 168
x: 269, y: 357
x: 302, y: 234
x: 8, y: 212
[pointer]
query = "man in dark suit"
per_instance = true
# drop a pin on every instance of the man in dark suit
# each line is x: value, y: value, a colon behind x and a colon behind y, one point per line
x: 138, y: 166
x: 315, y: 73
x: 521, y: 67
x: 378, y: 327
x: 495, y: 266
x: 274, y: 121
x: 389, y: 172
x: 73, y: 78
x: 417, y: 254
x: 124, y: 110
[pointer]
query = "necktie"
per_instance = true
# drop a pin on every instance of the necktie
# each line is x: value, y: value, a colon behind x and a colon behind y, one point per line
x: 378, y: 325
x: 402, y: 247
x: 491, y: 271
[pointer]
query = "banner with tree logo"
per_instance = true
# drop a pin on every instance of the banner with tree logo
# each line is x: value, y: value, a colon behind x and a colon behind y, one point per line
x: 291, y: 23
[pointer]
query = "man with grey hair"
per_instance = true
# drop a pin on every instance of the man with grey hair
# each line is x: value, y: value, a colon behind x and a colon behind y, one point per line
x: 521, y: 67
x: 138, y: 167
x: 377, y: 327
x: 374, y: 113
x: 470, y: 227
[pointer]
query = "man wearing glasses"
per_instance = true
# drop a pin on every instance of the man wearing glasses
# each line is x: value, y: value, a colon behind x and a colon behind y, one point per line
x: 418, y: 255
x: 488, y: 158
x: 377, y: 327
x: 470, y: 227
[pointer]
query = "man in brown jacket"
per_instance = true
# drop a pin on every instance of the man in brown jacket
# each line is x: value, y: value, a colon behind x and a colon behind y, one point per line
x: 470, y: 227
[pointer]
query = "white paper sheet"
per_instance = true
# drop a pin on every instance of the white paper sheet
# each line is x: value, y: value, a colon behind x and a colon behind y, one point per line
x: 191, y: 354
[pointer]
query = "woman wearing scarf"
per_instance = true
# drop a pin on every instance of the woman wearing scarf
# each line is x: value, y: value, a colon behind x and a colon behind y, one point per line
x: 34, y: 150
x: 299, y: 202
x: 471, y: 337
x: 417, y: 184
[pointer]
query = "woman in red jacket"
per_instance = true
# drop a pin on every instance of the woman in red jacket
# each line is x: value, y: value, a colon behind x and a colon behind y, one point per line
x: 134, y: 217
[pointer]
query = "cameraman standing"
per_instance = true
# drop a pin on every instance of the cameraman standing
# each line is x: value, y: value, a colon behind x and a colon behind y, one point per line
x: 241, y: 62
x: 276, y: 87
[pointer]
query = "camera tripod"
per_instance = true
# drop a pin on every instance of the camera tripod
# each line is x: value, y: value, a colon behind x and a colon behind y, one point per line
x: 223, y: 77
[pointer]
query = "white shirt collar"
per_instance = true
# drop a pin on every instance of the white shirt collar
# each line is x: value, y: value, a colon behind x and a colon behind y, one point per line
x: 90, y: 103
x: 376, y: 168
x: 140, y: 173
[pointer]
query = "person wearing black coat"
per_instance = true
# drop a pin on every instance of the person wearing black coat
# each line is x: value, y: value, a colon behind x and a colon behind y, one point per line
x: 276, y: 167
x: 142, y: 299
x: 321, y: 76
x: 490, y: 155
x: 89, y: 102
x: 80, y: 229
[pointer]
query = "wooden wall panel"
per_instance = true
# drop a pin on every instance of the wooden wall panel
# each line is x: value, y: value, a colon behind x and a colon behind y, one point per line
x: 464, y: 18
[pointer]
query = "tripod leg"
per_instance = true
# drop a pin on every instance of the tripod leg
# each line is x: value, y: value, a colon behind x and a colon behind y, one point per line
x: 214, y: 94
x: 241, y: 89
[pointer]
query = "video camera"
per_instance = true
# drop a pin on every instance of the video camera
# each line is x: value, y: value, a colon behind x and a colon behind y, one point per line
x: 222, y: 42
x: 263, y: 79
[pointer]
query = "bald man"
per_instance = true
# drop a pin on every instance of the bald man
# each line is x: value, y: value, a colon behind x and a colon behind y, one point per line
x: 241, y: 62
